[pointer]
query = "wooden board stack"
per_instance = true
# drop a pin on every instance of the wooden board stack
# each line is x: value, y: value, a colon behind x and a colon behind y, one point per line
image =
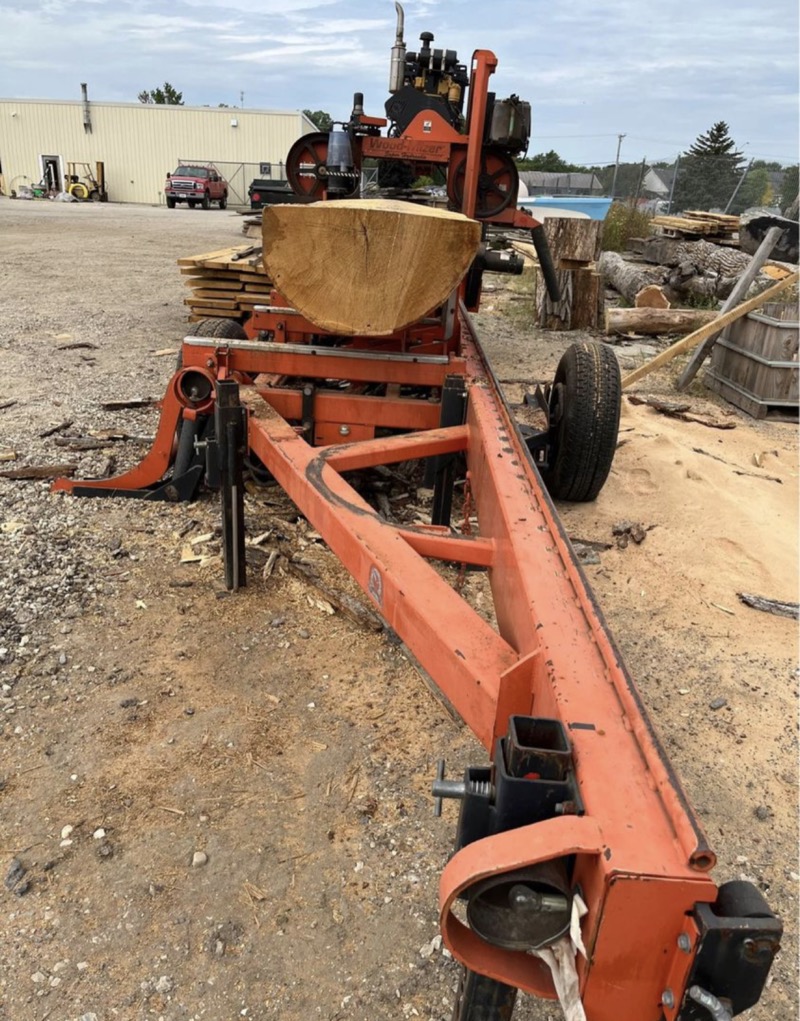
x: 694, y: 223
x: 225, y: 284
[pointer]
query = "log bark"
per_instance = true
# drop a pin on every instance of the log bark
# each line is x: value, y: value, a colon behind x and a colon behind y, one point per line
x: 366, y: 267
x: 656, y: 321
x: 628, y: 278
x: 580, y: 306
x: 573, y: 239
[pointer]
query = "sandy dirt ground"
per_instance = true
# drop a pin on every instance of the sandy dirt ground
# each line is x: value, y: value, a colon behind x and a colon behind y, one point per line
x: 149, y: 720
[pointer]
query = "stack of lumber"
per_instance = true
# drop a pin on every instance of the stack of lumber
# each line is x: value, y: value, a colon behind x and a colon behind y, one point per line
x: 723, y: 229
x: 225, y: 284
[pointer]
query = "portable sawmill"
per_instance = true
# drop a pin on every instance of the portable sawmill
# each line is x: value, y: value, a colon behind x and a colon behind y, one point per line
x: 577, y: 807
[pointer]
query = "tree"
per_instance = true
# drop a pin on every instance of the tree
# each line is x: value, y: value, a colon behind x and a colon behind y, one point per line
x: 709, y: 172
x: 322, y: 120
x: 549, y: 162
x: 165, y: 96
x: 790, y: 188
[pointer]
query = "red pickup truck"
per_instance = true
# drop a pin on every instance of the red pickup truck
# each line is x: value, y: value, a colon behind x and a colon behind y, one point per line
x: 197, y: 185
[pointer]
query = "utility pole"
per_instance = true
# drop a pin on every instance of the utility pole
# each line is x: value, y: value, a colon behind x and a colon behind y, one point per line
x: 738, y: 186
x: 641, y: 179
x: 672, y: 185
x: 616, y: 166
x: 241, y: 99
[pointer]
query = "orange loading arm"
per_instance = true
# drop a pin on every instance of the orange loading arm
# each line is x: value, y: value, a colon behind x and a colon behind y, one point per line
x: 545, y: 691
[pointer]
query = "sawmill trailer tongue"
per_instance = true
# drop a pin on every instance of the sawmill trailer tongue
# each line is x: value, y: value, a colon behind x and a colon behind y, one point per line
x: 578, y: 806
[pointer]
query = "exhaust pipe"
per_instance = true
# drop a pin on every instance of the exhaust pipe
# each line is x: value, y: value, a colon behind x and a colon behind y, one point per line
x: 87, y: 120
x: 397, y: 66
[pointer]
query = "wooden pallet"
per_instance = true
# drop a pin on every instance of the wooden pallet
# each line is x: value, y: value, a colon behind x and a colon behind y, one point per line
x: 226, y: 283
x: 694, y: 223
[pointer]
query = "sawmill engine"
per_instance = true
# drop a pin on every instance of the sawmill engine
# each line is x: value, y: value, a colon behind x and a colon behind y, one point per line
x: 434, y: 80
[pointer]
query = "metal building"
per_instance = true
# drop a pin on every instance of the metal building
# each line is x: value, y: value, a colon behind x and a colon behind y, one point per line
x: 140, y: 143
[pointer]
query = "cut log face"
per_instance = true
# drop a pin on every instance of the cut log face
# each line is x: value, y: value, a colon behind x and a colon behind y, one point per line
x: 651, y: 296
x: 366, y: 267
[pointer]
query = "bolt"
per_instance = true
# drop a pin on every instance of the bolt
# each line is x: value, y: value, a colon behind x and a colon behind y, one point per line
x: 684, y: 943
x: 209, y: 363
x: 344, y: 430
x: 668, y: 999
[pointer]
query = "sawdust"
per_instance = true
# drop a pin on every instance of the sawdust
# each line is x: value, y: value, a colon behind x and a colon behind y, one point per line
x: 292, y: 747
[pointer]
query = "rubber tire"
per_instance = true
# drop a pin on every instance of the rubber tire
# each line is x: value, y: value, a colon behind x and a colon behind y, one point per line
x: 191, y: 203
x: 206, y: 203
x: 79, y: 190
x: 170, y: 203
x: 228, y: 329
x: 588, y: 388
x: 223, y: 202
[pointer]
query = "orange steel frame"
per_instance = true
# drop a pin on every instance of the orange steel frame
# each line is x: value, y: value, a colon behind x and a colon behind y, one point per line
x: 640, y: 858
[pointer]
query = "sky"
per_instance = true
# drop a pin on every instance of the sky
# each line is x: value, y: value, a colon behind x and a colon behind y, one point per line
x: 659, y: 73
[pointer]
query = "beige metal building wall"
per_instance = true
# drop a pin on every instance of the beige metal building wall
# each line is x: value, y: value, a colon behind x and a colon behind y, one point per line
x: 139, y: 143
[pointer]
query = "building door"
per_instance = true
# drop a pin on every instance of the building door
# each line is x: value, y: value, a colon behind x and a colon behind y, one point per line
x: 52, y: 176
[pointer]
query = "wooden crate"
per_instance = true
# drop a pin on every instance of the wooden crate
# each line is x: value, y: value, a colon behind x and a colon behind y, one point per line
x: 755, y: 365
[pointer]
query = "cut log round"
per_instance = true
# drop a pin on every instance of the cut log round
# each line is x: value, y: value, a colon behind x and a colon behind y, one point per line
x: 656, y: 321
x: 366, y: 267
x: 628, y: 278
x: 651, y: 296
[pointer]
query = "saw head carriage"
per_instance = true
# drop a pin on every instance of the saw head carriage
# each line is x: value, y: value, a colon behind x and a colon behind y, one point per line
x: 427, y: 127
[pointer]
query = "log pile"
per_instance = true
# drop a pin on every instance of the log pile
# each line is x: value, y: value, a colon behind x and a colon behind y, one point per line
x: 226, y: 284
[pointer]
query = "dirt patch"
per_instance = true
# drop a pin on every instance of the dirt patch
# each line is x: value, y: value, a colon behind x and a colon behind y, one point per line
x: 285, y: 750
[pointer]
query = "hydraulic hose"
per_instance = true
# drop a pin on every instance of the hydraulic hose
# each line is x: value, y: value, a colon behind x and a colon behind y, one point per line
x: 546, y: 262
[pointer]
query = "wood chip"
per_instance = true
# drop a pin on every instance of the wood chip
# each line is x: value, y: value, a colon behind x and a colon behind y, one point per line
x: 133, y: 402
x: 44, y: 471
x: 201, y: 539
x: 6, y: 404
x: 8, y: 455
x: 53, y: 429
x: 775, y: 606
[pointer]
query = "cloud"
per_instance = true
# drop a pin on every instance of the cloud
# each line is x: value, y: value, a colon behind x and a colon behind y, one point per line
x: 593, y: 67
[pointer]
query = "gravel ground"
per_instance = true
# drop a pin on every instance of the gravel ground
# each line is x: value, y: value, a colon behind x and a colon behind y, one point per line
x: 220, y: 804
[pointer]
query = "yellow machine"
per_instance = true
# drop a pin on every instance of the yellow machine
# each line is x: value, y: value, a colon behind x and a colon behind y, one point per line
x: 86, y: 186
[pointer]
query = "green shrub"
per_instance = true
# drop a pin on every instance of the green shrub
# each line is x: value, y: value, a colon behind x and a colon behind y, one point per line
x: 623, y: 223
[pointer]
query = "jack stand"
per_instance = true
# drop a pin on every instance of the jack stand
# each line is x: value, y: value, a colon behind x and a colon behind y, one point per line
x: 442, y: 470
x: 231, y: 432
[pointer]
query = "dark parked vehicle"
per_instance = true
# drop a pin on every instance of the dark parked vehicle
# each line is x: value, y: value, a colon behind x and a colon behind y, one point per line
x: 265, y: 192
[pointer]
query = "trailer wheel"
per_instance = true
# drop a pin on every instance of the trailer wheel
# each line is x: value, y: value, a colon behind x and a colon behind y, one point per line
x: 479, y: 998
x: 584, y: 416
x: 229, y: 329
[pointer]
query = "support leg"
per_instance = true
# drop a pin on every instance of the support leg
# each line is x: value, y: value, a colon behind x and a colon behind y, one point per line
x: 231, y: 431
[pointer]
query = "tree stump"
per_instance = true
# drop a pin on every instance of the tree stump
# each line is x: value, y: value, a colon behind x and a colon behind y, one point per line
x: 575, y: 245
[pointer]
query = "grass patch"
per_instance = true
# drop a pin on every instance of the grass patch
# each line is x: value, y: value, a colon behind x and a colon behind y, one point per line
x: 623, y: 223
